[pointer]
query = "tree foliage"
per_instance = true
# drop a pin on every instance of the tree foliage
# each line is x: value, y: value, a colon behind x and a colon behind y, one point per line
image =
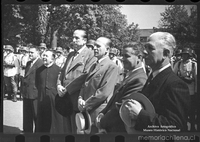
x: 55, y: 24
x: 182, y: 23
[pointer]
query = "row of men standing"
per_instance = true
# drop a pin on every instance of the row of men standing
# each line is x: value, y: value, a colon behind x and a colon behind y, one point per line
x: 89, y: 78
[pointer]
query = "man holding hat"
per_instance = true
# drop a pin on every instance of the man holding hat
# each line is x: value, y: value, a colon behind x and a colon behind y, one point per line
x: 166, y: 91
x: 99, y: 83
x: 186, y: 69
x: 78, y: 63
x: 60, y: 59
x: 10, y: 70
x: 109, y: 118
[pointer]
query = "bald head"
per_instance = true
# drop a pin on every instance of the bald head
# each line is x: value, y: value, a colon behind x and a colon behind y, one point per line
x: 166, y: 40
x: 102, y: 46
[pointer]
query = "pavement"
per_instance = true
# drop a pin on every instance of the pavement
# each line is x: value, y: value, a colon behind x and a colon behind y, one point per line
x: 12, y: 116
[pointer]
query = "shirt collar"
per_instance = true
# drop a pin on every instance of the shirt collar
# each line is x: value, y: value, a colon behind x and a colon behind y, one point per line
x: 80, y: 50
x: 100, y: 60
x: 49, y: 65
x: 160, y: 70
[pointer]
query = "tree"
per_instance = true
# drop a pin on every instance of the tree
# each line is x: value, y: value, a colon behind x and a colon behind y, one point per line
x: 182, y: 23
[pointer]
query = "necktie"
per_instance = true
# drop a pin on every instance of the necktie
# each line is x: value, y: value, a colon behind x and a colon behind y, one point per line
x: 148, y: 80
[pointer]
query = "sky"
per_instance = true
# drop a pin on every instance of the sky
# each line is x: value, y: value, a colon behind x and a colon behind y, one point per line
x: 146, y: 16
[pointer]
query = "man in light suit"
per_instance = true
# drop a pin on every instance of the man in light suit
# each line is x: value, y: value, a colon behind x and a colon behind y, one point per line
x: 30, y: 92
x: 109, y: 118
x: 78, y: 62
x: 167, y: 92
x: 100, y: 81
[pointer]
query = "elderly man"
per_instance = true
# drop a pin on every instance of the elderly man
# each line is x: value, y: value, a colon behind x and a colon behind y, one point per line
x: 167, y: 92
x: 10, y: 70
x: 23, y: 61
x: 78, y: 63
x: 100, y: 81
x: 134, y: 81
x: 48, y: 119
x: 30, y: 92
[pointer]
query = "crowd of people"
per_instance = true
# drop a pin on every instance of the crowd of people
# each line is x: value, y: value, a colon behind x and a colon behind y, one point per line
x: 96, y: 89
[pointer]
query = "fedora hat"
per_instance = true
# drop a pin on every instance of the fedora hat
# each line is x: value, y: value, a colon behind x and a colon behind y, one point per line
x: 124, y: 113
x: 42, y: 45
x: 83, y: 122
x: 9, y: 47
x: 63, y: 105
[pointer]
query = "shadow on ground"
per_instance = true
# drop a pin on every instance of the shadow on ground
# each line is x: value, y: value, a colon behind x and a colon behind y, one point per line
x: 11, y: 130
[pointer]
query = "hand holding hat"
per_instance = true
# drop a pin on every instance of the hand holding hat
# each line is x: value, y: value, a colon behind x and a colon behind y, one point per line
x: 81, y: 104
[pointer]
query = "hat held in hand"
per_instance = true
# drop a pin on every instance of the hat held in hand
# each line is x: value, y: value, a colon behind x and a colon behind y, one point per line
x: 124, y: 112
x: 83, y: 122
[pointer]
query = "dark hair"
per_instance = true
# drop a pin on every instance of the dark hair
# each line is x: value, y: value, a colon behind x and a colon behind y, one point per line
x: 85, y: 34
x: 137, y: 47
x: 35, y: 47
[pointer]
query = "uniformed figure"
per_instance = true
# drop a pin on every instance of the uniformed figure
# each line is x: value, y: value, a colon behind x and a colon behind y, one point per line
x: 60, y: 59
x: 186, y: 69
x: 23, y: 61
x: 10, y: 70
x: 113, y: 57
x: 42, y: 48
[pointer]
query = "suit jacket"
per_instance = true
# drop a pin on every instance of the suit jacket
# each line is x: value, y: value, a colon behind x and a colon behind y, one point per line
x: 170, y: 97
x: 30, y: 90
x: 99, y: 85
x: 74, y: 69
x: 111, y: 121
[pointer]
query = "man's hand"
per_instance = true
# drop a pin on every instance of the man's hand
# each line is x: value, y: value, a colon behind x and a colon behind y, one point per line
x: 81, y: 104
x: 134, y: 108
x: 61, y: 90
x: 98, y: 119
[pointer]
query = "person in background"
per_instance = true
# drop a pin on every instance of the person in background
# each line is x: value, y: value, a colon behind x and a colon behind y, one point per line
x: 78, y: 62
x: 166, y: 91
x: 42, y: 48
x: 60, y: 59
x: 113, y: 57
x: 10, y: 64
x: 186, y: 69
x: 30, y: 92
x: 90, y: 44
x: 23, y: 61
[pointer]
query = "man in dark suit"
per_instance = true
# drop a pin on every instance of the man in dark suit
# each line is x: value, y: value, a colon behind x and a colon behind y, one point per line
x: 109, y: 118
x: 167, y: 92
x: 77, y: 63
x: 30, y: 92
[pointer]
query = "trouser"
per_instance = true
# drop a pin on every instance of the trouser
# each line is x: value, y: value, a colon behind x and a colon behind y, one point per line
x: 11, y: 86
x: 29, y: 114
x: 21, y: 88
x: 193, y: 111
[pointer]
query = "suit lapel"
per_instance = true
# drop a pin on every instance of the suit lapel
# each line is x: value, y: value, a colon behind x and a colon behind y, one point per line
x: 78, y: 59
x: 32, y: 68
x: 97, y: 67
x: 157, y: 82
